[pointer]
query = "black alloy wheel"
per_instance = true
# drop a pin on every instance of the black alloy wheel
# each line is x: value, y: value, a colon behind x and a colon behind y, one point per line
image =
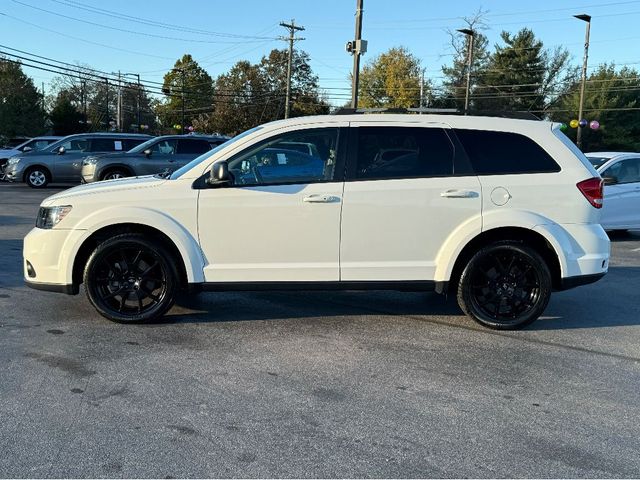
x: 130, y: 279
x: 505, y: 286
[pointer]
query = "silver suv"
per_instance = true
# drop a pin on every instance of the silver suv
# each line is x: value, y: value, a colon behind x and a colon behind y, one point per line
x: 62, y: 161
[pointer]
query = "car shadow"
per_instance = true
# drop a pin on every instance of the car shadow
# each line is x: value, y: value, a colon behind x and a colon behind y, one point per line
x: 624, y: 236
x: 589, y: 306
x: 11, y: 273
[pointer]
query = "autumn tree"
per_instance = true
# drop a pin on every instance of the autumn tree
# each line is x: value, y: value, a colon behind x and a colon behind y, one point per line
x: 391, y: 79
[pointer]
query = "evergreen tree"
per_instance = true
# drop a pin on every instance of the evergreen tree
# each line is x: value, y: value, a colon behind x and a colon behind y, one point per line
x: 21, y: 109
x: 65, y: 117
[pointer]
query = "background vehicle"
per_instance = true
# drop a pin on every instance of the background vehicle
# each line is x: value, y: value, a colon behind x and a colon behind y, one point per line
x: 32, y: 144
x: 621, y: 174
x: 168, y: 152
x: 62, y: 161
x: 499, y: 212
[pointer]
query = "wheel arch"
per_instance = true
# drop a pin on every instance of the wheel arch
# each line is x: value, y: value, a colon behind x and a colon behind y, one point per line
x: 183, y: 246
x: 102, y: 171
x: 536, y: 239
x: 28, y: 168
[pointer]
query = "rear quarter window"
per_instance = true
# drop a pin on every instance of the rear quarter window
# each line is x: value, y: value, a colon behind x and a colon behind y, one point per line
x: 504, y: 153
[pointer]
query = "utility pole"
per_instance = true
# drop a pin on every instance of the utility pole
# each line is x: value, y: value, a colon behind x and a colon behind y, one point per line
x: 43, y: 93
x: 470, y: 38
x: 119, y: 104
x: 107, y: 102
x: 83, y: 98
x: 357, y: 48
x: 585, y: 18
x: 421, y: 91
x: 293, y: 28
x: 138, y: 99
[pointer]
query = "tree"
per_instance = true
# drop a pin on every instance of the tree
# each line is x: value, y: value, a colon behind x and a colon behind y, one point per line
x: 455, y: 81
x: 391, y: 79
x: 520, y: 75
x: 65, y: 117
x: 21, y: 109
x: 610, y: 98
x: 251, y: 94
x: 187, y: 81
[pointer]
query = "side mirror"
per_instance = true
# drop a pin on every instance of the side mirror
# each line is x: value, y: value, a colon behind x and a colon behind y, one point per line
x: 610, y: 180
x: 26, y: 149
x: 61, y: 150
x: 219, y: 174
x: 147, y: 152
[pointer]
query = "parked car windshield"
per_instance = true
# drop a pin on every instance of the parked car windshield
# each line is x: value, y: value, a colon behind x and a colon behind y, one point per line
x: 181, y: 171
x: 597, y: 162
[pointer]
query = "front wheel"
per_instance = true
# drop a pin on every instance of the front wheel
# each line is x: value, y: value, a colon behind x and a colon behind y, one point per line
x: 37, y: 177
x: 130, y: 279
x: 505, y: 286
x: 114, y: 174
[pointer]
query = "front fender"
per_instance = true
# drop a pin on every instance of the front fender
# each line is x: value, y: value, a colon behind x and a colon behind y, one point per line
x: 184, y: 240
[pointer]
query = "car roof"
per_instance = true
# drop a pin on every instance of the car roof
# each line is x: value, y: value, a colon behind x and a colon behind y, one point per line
x: 192, y: 136
x: 611, y: 155
x: 109, y: 135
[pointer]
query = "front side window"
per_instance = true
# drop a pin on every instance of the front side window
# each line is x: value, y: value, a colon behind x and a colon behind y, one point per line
x: 403, y: 152
x: 624, y: 171
x: 276, y: 161
x: 165, y: 147
x: 76, y: 145
x: 504, y: 153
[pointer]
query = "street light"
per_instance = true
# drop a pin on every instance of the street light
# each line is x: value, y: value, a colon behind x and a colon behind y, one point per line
x: 470, y: 36
x: 585, y: 18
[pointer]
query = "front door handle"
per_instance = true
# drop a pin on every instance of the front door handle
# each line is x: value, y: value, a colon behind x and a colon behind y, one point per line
x: 321, y: 199
x: 454, y: 193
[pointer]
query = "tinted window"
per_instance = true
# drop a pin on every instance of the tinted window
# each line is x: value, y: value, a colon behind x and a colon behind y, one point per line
x: 129, y: 143
x: 501, y: 153
x: 192, y: 146
x: 399, y: 152
x: 274, y: 162
x: 625, y: 171
x: 104, y: 145
x: 76, y: 145
x: 167, y: 147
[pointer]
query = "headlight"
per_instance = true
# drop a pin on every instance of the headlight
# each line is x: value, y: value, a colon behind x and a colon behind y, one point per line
x: 90, y: 161
x: 49, y: 217
x: 13, y: 160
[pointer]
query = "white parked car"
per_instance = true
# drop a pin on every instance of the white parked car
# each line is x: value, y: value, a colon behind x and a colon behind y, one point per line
x: 621, y: 174
x: 499, y: 211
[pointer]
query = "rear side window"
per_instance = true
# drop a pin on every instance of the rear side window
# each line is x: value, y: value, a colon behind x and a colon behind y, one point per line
x: 193, y: 146
x: 504, y: 153
x: 403, y: 152
x: 102, y: 145
x: 129, y: 143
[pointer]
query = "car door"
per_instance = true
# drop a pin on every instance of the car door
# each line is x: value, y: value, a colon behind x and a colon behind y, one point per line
x: 621, y: 207
x: 159, y: 159
x: 67, y: 165
x: 402, y: 200
x: 188, y: 149
x: 280, y: 220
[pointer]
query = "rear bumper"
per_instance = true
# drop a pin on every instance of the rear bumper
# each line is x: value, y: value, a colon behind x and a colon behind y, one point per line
x: 572, y: 282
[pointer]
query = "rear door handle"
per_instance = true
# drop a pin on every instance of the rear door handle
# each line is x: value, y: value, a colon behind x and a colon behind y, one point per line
x: 321, y: 199
x: 454, y: 193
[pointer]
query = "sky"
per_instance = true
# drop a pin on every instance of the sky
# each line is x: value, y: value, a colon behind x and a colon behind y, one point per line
x: 219, y: 33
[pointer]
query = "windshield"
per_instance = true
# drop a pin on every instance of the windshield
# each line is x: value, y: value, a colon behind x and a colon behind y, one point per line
x: 181, y: 171
x: 597, y: 162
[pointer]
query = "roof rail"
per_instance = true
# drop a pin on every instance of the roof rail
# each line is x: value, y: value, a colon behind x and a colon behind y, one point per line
x: 352, y: 111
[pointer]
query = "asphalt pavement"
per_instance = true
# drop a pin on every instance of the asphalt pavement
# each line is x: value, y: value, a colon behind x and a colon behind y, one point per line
x: 316, y: 384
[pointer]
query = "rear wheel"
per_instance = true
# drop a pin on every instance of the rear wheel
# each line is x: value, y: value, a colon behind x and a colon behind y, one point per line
x: 505, y: 286
x: 37, y: 177
x: 130, y: 279
x: 115, y: 174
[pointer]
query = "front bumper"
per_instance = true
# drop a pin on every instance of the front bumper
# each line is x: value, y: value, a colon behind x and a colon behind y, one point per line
x: 54, y: 287
x: 87, y: 174
x: 13, y: 173
x: 48, y: 258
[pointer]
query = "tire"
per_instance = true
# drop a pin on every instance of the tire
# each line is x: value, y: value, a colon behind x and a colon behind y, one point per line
x: 37, y: 177
x: 114, y: 174
x: 505, y: 286
x: 131, y: 279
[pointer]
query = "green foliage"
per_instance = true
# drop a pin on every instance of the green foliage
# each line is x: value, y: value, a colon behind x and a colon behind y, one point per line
x: 391, y: 79
x: 188, y: 81
x: 609, y: 94
x: 520, y: 75
x: 251, y: 94
x: 21, y: 111
x: 65, y: 117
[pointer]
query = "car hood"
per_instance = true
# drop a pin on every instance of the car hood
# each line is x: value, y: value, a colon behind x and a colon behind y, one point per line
x: 8, y: 152
x: 106, y: 186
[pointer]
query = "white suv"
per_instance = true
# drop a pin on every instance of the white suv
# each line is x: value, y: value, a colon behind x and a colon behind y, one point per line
x: 500, y: 211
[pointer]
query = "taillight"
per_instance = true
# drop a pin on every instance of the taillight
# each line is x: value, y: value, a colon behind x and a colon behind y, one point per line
x: 592, y: 190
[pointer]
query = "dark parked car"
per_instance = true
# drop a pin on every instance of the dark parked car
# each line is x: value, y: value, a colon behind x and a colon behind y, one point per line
x: 62, y: 161
x: 157, y: 155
